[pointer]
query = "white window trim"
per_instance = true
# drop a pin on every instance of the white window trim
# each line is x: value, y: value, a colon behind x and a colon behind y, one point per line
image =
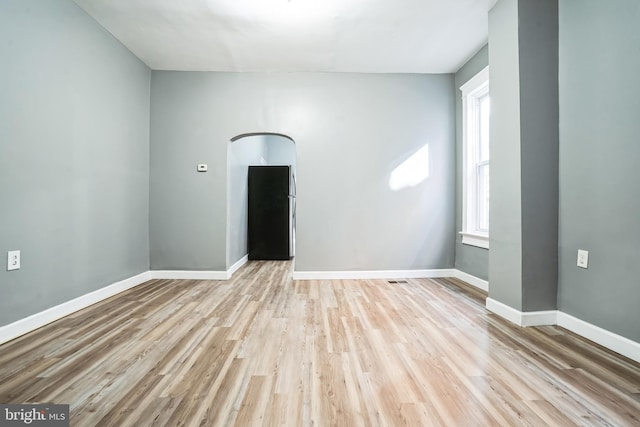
x: 475, y: 240
x: 470, y: 237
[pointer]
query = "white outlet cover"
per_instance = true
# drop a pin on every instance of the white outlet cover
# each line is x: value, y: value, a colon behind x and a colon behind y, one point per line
x: 583, y: 258
x: 13, y: 260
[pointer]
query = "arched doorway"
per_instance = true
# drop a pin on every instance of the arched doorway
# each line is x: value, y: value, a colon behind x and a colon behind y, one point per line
x: 245, y: 150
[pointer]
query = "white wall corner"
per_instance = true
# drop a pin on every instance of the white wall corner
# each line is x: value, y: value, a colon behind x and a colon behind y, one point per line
x: 504, y: 311
x: 615, y: 342
x: 235, y: 267
x: 527, y: 318
x: 38, y: 320
x: 539, y: 318
x: 373, y: 274
x: 472, y: 280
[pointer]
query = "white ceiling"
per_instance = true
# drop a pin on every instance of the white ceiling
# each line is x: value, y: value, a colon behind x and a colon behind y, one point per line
x: 370, y: 36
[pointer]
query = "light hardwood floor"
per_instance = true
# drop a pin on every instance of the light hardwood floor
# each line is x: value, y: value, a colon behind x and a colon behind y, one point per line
x: 261, y: 349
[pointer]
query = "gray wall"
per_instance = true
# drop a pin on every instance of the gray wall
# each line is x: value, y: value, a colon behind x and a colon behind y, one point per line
x: 599, y: 158
x: 523, y: 40
x: 538, y: 54
x: 351, y: 132
x: 247, y: 151
x: 280, y: 151
x: 470, y: 259
x: 505, y: 237
x: 74, y: 114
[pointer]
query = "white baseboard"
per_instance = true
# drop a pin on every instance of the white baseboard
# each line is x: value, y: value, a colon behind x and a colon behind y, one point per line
x: 610, y: 340
x: 615, y: 342
x: 529, y: 318
x: 393, y: 274
x: 373, y: 274
x: 539, y: 318
x: 242, y: 261
x: 199, y: 275
x: 38, y: 320
x: 472, y: 280
x: 504, y: 311
x: 188, y: 275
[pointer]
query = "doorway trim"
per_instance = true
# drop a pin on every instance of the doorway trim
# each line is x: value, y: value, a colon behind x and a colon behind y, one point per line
x: 244, y: 135
x: 236, y: 265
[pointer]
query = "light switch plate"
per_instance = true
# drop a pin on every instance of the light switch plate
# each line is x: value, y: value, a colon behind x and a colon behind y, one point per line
x: 202, y: 167
x: 13, y: 260
x: 583, y: 258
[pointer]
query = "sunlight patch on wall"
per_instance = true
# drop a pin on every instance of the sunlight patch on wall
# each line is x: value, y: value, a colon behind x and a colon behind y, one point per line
x: 412, y: 171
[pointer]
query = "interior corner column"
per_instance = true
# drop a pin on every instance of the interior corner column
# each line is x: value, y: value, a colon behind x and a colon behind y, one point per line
x: 523, y: 58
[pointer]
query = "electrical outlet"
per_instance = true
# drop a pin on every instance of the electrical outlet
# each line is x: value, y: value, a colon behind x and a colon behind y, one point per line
x: 13, y: 260
x: 583, y: 258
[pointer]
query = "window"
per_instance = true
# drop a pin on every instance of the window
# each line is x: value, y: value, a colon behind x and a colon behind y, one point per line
x: 476, y: 106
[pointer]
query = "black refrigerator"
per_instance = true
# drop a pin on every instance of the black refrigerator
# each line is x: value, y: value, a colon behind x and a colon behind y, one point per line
x: 271, y: 227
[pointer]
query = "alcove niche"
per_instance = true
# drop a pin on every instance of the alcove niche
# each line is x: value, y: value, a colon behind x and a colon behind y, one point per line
x: 249, y: 149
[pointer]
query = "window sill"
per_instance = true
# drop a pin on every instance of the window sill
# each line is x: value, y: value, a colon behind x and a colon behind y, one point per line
x: 475, y: 240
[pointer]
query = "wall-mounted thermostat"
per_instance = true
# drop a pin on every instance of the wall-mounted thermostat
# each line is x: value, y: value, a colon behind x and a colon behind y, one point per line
x: 202, y: 167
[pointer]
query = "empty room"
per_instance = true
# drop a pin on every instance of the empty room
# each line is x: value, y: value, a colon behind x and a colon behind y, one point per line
x: 319, y: 213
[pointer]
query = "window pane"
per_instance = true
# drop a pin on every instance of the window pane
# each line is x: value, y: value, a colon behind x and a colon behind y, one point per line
x: 476, y: 156
x: 483, y: 198
x: 484, y: 108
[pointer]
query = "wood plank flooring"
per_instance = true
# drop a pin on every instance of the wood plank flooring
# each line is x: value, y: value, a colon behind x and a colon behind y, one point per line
x: 261, y: 349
